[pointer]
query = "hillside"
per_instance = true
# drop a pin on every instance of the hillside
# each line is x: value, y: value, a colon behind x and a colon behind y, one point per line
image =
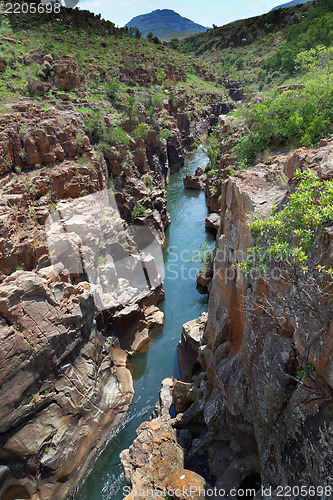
x: 261, y: 51
x: 164, y: 22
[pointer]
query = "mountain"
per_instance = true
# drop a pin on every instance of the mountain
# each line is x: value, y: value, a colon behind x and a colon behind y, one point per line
x: 290, y: 4
x: 165, y: 24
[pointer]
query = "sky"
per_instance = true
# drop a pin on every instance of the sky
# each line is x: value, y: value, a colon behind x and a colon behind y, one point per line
x: 204, y: 12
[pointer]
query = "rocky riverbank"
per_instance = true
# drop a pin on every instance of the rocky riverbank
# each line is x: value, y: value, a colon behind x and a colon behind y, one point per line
x: 255, y: 405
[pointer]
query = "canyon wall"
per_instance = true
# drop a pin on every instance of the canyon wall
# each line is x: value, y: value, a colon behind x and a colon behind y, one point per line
x: 65, y: 382
x: 255, y: 407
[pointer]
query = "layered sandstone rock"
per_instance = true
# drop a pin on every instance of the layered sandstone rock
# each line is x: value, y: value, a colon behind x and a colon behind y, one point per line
x: 62, y: 385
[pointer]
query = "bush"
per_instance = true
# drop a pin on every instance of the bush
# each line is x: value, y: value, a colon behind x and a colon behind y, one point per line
x: 239, y: 63
x: 141, y: 130
x: 213, y: 151
x: 138, y: 210
x: 164, y: 133
x: 118, y: 136
x: 299, y: 117
x: 160, y: 76
x: 288, y: 235
x: 95, y: 126
x: 112, y: 90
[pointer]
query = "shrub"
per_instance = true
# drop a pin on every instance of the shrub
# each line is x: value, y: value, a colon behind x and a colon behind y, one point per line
x: 160, y: 76
x: 164, y: 133
x: 138, y: 210
x: 213, y: 190
x: 112, y: 90
x: 239, y: 63
x: 141, y: 130
x: 288, y: 234
x: 95, y: 126
x: 213, y: 150
x: 300, y: 117
x: 118, y: 136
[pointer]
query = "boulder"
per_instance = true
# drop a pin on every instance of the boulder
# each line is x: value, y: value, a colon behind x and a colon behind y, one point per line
x: 325, y: 170
x: 213, y: 221
x: 194, y: 181
x: 3, y: 65
x: 38, y: 88
x: 180, y: 396
x: 191, y: 340
x: 66, y: 73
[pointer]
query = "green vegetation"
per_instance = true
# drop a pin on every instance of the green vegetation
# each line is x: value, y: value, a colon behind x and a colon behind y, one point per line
x: 138, y: 210
x: 303, y: 375
x: 261, y: 52
x: 164, y: 133
x: 205, y: 256
x: 34, y: 398
x: 141, y: 130
x: 213, y: 152
x: 288, y: 235
x: 315, y: 29
x: 99, y: 48
x: 297, y: 117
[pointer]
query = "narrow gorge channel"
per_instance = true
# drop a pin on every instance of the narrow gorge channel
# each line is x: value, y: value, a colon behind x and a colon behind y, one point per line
x: 158, y: 360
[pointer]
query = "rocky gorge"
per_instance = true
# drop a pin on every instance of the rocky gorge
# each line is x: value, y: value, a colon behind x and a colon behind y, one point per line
x: 65, y: 378
x: 255, y: 397
x: 102, y: 181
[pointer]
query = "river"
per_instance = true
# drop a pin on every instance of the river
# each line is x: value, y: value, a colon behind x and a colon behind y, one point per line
x: 158, y: 359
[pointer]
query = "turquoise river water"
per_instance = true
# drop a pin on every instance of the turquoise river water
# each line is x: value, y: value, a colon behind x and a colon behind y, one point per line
x: 158, y: 360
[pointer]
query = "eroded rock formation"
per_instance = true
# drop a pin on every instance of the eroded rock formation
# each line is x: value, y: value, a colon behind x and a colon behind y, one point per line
x: 259, y: 408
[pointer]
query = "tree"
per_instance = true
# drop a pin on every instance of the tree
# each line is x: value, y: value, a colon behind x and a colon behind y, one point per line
x: 131, y: 108
x: 137, y: 33
x: 174, y: 43
x: 150, y: 36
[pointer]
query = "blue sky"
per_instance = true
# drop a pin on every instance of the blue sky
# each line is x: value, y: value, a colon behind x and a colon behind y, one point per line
x: 204, y: 12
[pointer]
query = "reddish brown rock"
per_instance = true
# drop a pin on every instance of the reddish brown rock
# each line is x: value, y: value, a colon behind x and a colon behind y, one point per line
x: 3, y: 65
x: 191, y: 340
x: 33, y: 136
x: 156, y: 460
x: 38, y: 88
x: 67, y: 75
x: 295, y: 161
x: 50, y: 384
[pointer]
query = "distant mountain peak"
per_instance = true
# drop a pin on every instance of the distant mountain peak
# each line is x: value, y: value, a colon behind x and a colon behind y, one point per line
x: 291, y: 4
x: 164, y: 23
